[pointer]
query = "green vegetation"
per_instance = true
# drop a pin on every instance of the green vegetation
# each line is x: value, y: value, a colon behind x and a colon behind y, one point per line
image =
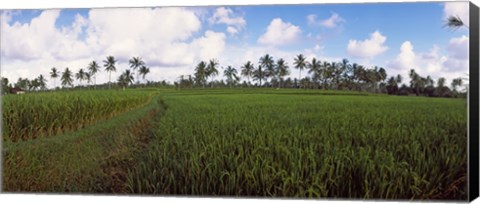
x: 306, y: 145
x: 249, y: 142
x: 30, y: 116
x: 93, y: 159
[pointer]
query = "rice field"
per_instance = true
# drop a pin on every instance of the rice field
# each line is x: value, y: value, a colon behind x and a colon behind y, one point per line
x: 247, y: 142
x: 307, y: 144
x: 33, y: 115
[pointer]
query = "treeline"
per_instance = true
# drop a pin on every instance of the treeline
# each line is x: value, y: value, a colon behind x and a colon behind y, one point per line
x: 324, y: 75
x: 88, y: 75
x: 267, y: 72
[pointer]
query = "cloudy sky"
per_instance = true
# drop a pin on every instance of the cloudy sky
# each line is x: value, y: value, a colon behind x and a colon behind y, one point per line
x: 172, y: 40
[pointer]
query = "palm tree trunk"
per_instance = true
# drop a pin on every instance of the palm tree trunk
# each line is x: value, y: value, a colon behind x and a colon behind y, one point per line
x: 109, y: 80
x: 299, y: 75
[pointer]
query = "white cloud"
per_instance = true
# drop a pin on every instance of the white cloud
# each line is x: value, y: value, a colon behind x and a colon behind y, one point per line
x: 367, y: 48
x: 458, y: 54
x: 333, y: 21
x: 459, y: 47
x: 232, y: 30
x: 226, y: 16
x: 280, y: 33
x: 165, y: 38
x: 209, y: 46
x: 405, y: 60
x: 460, y: 9
x: 432, y: 63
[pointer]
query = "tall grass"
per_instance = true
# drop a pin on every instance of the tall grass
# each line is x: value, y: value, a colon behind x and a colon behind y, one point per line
x: 307, y: 146
x: 29, y: 116
x: 95, y: 159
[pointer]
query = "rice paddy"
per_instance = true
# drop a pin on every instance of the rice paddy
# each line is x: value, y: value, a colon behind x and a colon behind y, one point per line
x: 257, y: 142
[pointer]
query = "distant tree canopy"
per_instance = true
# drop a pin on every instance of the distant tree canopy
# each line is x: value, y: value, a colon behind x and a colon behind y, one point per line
x: 268, y: 72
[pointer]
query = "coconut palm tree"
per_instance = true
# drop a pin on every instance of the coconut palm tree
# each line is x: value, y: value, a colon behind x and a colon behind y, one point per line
x: 231, y: 74
x: 5, y: 86
x: 392, y: 86
x: 414, y: 78
x: 441, y: 82
x: 144, y: 71
x: 125, y: 79
x: 454, y: 23
x: 212, y: 70
x: 88, y: 77
x: 67, y: 77
x: 398, y: 79
x: 54, y: 75
x: 109, y: 65
x: 80, y: 75
x: 455, y: 83
x: 201, y: 73
x: 136, y: 63
x: 281, y: 70
x: 267, y: 63
x: 93, y: 68
x: 247, y: 70
x: 259, y: 75
x: 347, y: 73
x: 326, y: 73
x: 300, y: 63
x: 315, y: 69
x: 42, y: 82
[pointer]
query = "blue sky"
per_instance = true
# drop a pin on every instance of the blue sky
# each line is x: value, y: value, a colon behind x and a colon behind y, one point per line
x: 406, y: 34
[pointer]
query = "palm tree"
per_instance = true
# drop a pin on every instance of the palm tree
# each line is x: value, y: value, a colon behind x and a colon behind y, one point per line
x: 144, y: 71
x: 231, y: 74
x: 259, y: 75
x: 398, y: 79
x: 315, y: 68
x: 267, y: 63
x: 93, y: 68
x: 247, y: 70
x: 67, y: 77
x: 441, y: 82
x: 416, y: 81
x: 455, y: 83
x: 326, y: 73
x: 392, y: 86
x: 80, y: 76
x: 54, y: 75
x: 42, y: 82
x: 88, y: 77
x: 136, y: 62
x: 34, y: 84
x: 201, y: 73
x: 300, y: 63
x: 281, y: 70
x: 125, y: 79
x: 347, y: 70
x: 109, y: 65
x: 212, y: 70
x: 382, y: 74
x: 5, y: 86
x: 454, y: 23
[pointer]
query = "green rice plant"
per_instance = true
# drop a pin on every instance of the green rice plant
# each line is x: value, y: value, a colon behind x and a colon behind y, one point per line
x: 296, y: 143
x: 95, y: 159
x: 34, y: 115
